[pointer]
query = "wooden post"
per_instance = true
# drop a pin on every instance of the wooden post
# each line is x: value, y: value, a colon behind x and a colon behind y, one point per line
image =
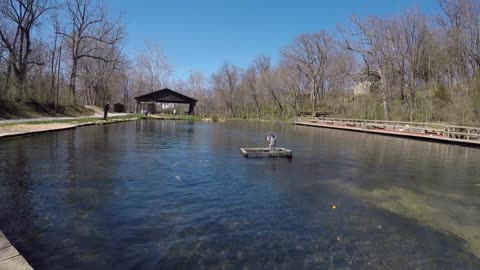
x: 191, y: 108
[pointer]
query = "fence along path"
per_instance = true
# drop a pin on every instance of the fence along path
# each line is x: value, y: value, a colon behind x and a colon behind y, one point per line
x: 430, y: 131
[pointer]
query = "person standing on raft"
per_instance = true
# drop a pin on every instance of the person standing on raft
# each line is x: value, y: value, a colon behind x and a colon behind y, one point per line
x: 106, y: 108
x: 271, y: 139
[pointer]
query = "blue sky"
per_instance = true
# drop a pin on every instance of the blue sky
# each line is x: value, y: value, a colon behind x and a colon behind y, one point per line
x: 202, y: 35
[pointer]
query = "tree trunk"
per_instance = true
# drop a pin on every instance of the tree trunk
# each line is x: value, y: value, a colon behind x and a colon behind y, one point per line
x: 386, y: 110
x: 313, y: 99
x: 403, y: 98
x: 230, y: 107
x: 413, y: 107
x: 21, y: 85
x: 8, y: 81
x: 73, y: 78
x: 53, y: 72
x: 276, y: 100
x: 322, y: 90
x: 58, y: 76
x: 295, y: 105
x: 255, y: 99
x: 257, y: 106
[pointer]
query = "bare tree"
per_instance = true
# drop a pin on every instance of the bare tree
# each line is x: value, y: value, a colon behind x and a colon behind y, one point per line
x: 461, y: 22
x: 126, y: 86
x: 17, y: 20
x: 197, y: 88
x: 311, y: 55
x: 89, y: 31
x: 54, y: 52
x: 341, y: 72
x: 295, y: 85
x: 154, y: 66
x: 225, y: 82
x: 196, y: 83
x: 267, y: 80
x: 251, y: 79
x: 58, y: 63
x: 100, y: 77
x: 413, y: 46
x: 370, y: 42
x: 4, y: 69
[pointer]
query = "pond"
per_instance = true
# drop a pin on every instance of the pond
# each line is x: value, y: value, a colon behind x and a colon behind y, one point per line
x: 179, y: 195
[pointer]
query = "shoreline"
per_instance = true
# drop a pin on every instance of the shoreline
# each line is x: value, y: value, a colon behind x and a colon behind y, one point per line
x: 394, y: 133
x: 17, y: 129
x: 13, y: 130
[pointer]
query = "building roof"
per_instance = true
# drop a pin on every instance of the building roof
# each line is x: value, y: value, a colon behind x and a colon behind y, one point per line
x: 166, y: 96
x: 367, y: 75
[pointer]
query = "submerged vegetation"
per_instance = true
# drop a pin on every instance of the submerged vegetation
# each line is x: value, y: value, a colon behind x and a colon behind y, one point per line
x: 444, y: 212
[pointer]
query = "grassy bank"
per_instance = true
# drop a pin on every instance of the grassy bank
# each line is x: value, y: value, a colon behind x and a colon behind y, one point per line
x: 214, y: 119
x: 176, y: 117
x: 262, y: 120
x: 33, y: 109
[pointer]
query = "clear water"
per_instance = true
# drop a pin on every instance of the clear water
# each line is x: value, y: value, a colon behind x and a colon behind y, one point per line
x: 178, y: 195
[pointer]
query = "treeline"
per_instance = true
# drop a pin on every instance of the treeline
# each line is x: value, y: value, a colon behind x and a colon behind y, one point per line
x: 411, y: 66
x: 70, y: 52
x: 59, y: 52
x: 424, y: 68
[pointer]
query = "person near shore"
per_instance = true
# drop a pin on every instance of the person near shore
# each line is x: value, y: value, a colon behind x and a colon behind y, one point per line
x: 106, y: 108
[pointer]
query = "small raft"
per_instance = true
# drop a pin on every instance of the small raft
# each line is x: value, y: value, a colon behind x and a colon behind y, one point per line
x: 265, y: 152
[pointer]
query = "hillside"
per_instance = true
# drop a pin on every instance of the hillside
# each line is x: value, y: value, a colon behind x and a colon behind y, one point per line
x: 32, y: 109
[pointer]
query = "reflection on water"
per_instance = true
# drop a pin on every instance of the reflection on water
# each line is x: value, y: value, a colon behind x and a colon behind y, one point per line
x: 178, y: 195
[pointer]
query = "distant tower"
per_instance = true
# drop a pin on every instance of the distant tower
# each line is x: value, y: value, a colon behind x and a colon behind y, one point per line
x: 366, y: 82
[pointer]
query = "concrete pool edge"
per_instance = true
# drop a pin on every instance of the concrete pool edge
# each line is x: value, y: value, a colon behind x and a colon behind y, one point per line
x: 406, y: 135
x: 10, y: 258
x: 43, y: 128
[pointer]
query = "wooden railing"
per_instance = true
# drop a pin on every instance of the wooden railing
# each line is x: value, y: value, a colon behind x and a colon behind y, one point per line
x: 438, y: 129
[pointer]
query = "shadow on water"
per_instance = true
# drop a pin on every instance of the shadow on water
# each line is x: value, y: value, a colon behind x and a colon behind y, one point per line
x: 178, y: 195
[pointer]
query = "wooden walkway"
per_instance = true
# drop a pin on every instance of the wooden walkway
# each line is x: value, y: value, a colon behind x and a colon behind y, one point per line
x: 10, y: 259
x: 468, y: 136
